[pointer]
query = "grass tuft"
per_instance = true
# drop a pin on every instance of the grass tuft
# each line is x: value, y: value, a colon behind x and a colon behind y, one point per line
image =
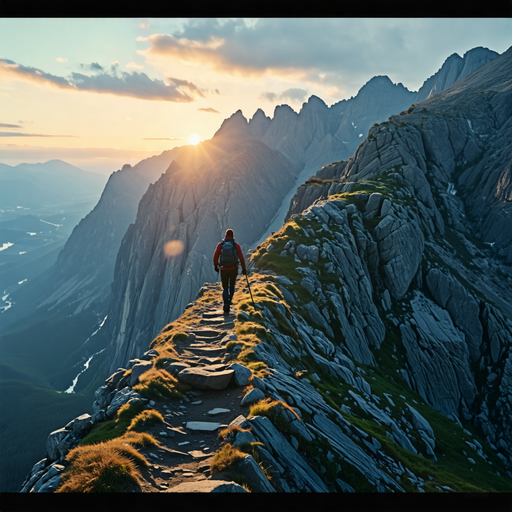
x: 273, y: 410
x: 105, y: 467
x: 159, y: 384
x: 226, y: 457
x: 146, y: 419
x: 114, y: 428
x: 231, y: 431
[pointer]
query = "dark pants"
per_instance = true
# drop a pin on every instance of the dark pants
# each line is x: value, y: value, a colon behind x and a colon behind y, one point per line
x: 228, y: 278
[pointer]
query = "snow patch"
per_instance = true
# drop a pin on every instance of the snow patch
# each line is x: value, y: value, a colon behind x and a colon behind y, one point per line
x: 7, y: 302
x: 71, y: 388
x: 51, y: 223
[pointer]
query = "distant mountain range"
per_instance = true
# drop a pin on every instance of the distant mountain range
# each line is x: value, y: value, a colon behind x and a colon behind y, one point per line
x: 53, y: 182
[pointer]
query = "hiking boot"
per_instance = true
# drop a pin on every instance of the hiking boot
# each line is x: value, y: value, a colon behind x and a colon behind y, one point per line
x: 226, y: 308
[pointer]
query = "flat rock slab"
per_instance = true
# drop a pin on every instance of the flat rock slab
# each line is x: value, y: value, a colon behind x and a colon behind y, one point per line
x: 207, y: 486
x: 207, y: 426
x: 212, y: 321
x: 218, y: 410
x: 213, y: 314
x: 206, y: 352
x: 203, y: 379
x: 207, y: 333
x: 199, y: 455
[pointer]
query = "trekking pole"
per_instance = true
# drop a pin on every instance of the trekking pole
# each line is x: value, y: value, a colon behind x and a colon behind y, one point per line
x: 246, y: 277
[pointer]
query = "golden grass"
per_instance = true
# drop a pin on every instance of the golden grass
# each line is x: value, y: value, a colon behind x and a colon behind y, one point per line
x: 146, y: 419
x: 141, y: 439
x: 267, y: 407
x: 226, y: 457
x: 158, y: 384
x: 104, y: 467
x: 246, y: 389
x: 233, y: 429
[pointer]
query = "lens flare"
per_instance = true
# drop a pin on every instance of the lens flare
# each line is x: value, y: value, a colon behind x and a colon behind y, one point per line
x: 173, y: 248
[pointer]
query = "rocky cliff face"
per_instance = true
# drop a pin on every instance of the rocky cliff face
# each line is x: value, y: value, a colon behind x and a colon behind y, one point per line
x: 455, y: 68
x: 447, y: 161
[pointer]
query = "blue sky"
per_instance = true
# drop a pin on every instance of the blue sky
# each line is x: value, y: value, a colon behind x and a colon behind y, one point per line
x: 99, y: 93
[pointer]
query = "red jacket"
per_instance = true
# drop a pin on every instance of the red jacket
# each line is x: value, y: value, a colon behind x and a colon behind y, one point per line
x: 216, y: 256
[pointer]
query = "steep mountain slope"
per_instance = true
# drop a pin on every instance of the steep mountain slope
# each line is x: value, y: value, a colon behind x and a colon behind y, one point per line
x: 190, y: 207
x: 455, y: 68
x: 378, y: 354
x: 448, y: 161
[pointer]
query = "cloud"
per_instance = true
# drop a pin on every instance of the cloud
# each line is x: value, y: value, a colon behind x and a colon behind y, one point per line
x: 134, y: 84
x: 61, y: 59
x: 143, y: 24
x: 326, y: 51
x: 269, y: 96
x: 5, y: 125
x: 10, y: 68
x: 209, y: 109
x: 133, y: 65
x: 292, y: 94
x: 18, y: 134
x: 92, y: 66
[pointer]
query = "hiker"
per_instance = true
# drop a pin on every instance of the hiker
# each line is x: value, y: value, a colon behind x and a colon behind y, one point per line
x: 226, y: 258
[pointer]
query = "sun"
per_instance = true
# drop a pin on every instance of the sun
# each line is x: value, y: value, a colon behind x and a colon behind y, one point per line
x: 194, y: 139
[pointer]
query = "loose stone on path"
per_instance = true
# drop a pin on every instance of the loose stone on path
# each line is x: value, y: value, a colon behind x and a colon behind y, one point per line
x: 203, y: 425
x: 218, y: 410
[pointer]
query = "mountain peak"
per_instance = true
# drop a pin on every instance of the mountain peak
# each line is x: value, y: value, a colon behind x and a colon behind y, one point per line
x: 315, y: 101
x: 258, y: 124
x: 235, y: 126
x: 454, y: 69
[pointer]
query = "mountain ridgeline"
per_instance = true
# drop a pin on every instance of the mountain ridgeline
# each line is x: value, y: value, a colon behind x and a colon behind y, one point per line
x: 316, y: 136
x: 387, y: 288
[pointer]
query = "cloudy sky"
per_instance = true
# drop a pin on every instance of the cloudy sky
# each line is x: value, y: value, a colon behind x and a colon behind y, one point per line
x: 102, y: 92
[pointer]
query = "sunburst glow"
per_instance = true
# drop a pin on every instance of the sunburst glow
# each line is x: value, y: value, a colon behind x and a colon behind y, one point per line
x: 194, y: 139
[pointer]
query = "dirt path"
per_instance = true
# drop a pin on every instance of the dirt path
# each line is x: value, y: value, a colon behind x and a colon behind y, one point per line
x: 185, y: 454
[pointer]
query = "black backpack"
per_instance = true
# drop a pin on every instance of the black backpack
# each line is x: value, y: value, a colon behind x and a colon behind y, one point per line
x: 228, y: 257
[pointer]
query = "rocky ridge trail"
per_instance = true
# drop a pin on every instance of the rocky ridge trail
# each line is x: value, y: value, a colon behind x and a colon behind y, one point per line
x: 189, y: 437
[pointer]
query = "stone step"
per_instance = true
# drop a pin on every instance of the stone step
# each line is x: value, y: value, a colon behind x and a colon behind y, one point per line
x: 210, y: 341
x: 213, y: 314
x: 211, y: 321
x: 207, y: 333
x: 207, y: 352
x: 201, y: 378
